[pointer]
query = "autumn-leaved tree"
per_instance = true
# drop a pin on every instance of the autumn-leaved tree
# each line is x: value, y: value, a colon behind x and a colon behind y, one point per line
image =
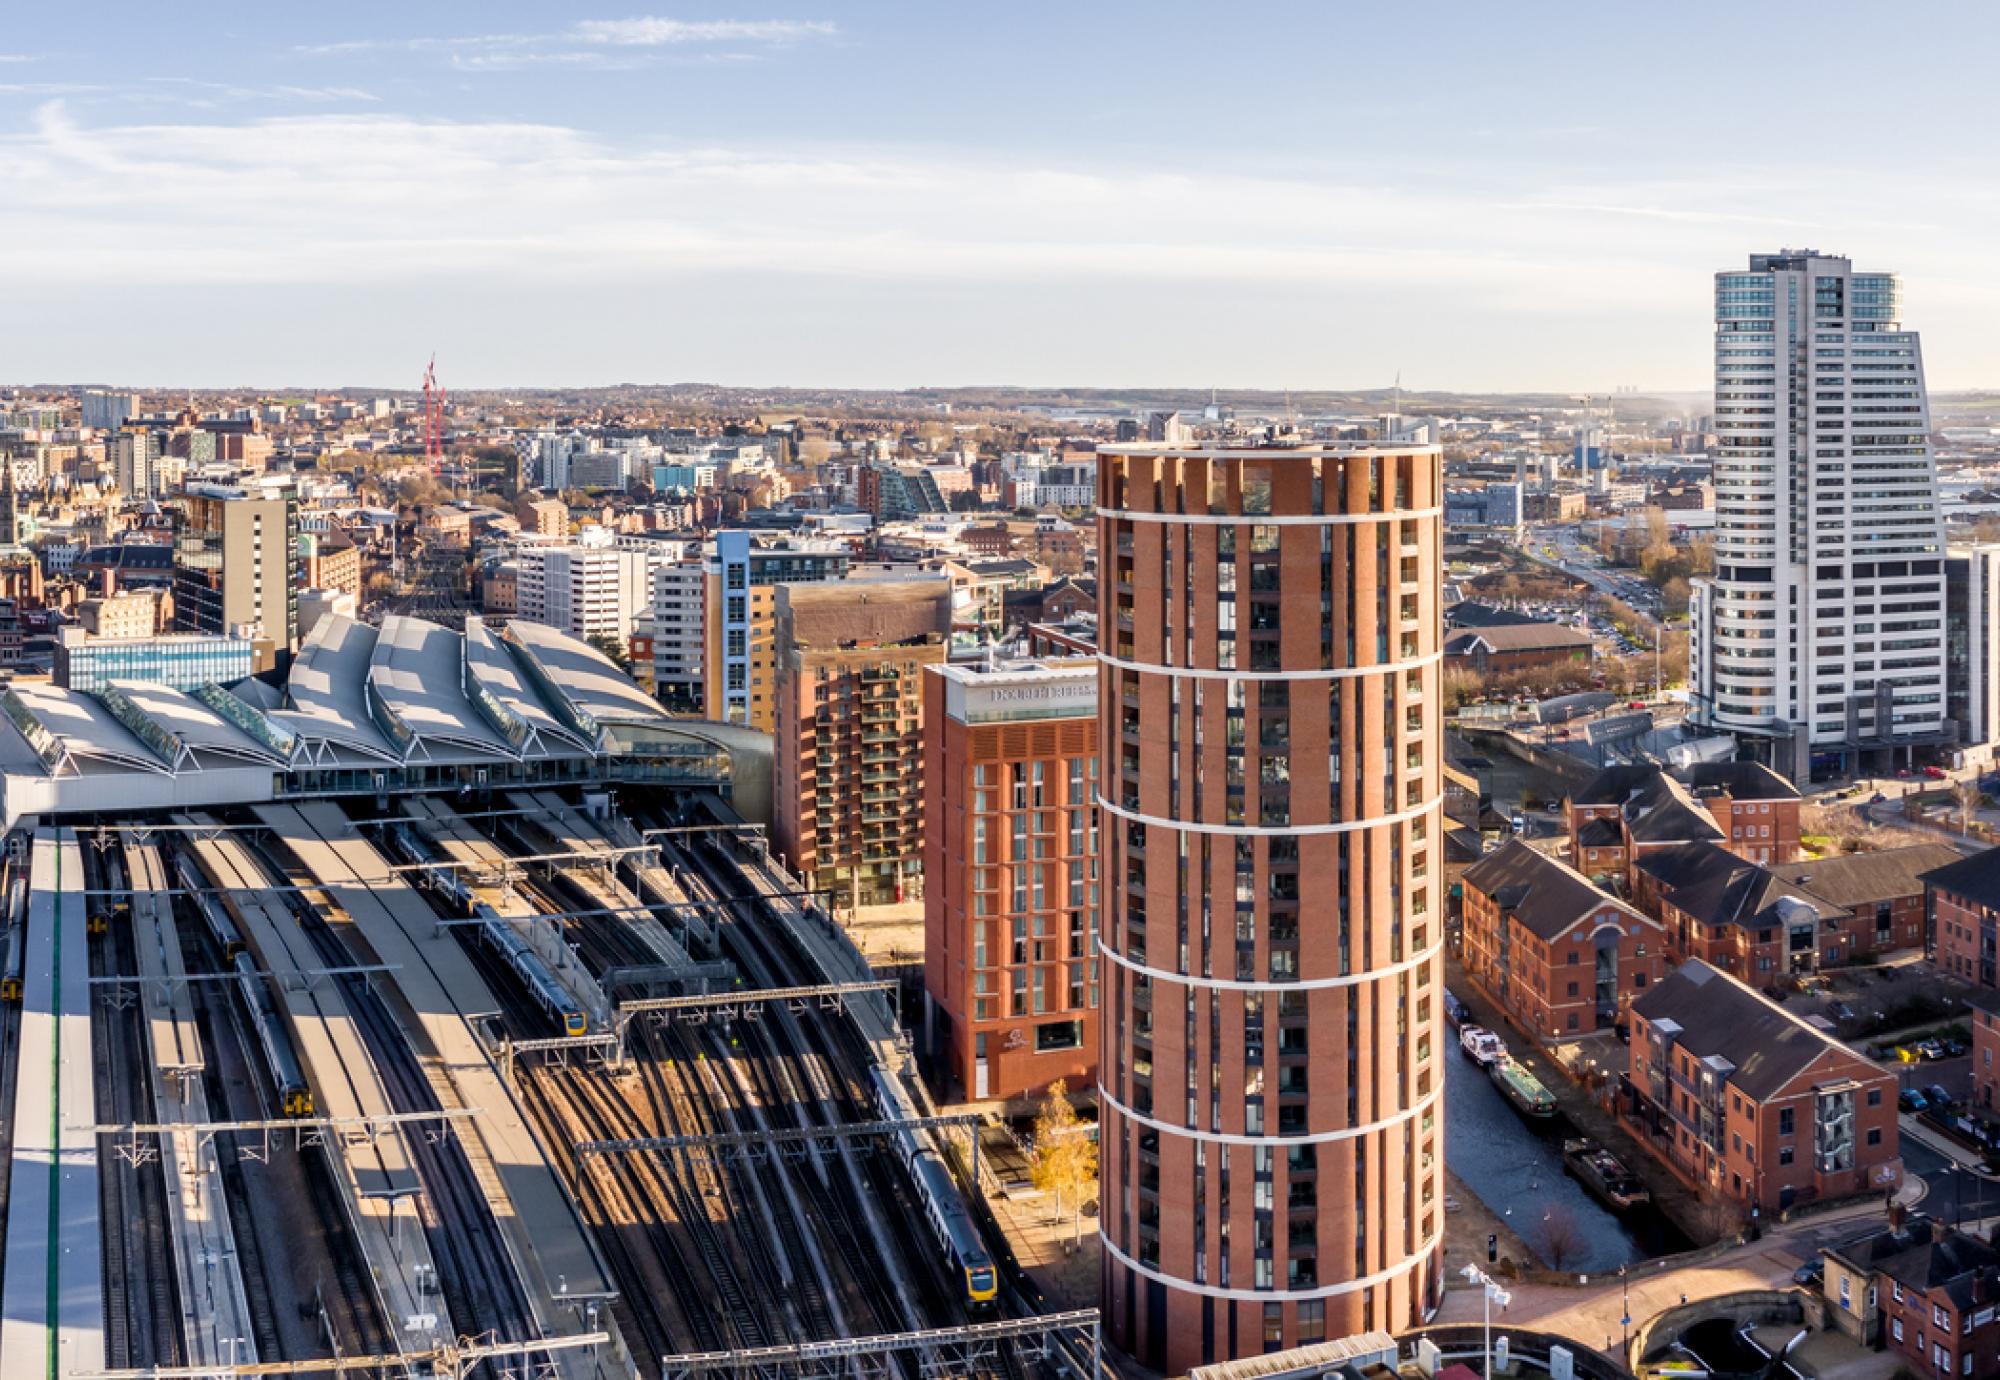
x: 1065, y: 1155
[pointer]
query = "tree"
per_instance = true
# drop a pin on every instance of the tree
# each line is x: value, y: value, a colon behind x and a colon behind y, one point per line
x: 1064, y: 1163
x: 1674, y: 596
x: 612, y: 648
x: 1968, y: 795
x: 1562, y: 1240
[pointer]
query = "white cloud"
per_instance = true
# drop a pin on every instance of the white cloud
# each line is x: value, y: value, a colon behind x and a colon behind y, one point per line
x: 650, y: 31
x: 1530, y: 267
x: 587, y: 44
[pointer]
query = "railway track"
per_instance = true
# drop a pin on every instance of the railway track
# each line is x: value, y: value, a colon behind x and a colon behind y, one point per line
x: 10, y: 1062
x: 322, y: 1276
x: 473, y: 1265
x: 141, y: 1294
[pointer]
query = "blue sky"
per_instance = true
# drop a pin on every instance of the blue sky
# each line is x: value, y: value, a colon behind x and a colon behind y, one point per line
x: 1477, y: 195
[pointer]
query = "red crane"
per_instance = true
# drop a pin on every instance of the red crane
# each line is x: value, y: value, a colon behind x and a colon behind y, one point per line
x: 433, y: 417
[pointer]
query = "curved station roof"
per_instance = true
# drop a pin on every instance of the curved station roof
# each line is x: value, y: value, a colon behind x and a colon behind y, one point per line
x: 409, y: 705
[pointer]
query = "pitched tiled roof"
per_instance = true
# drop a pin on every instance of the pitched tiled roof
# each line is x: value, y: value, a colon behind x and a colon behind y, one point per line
x: 1545, y: 895
x: 1860, y: 879
x: 1976, y: 878
x: 1718, y: 1015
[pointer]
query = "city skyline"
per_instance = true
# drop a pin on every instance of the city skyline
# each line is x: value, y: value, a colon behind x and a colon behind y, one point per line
x: 1477, y: 200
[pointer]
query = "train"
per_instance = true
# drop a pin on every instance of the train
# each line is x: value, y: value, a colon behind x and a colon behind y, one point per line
x: 551, y: 998
x: 14, y: 950
x: 100, y: 917
x: 294, y: 1094
x: 227, y: 937
x: 16, y: 956
x: 951, y: 1223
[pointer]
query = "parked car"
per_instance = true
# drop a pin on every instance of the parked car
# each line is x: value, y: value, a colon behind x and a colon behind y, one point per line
x: 1954, y: 1047
x: 1936, y: 773
x: 1937, y: 1096
x: 1811, y: 1273
x: 1910, y: 1100
x: 1931, y: 1049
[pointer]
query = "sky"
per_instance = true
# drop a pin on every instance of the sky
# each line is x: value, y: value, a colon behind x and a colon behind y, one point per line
x: 1473, y: 196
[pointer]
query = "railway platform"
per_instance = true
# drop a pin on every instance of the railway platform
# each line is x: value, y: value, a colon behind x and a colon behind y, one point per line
x: 215, y: 1313
x: 382, y: 1185
x: 571, y: 832
x: 459, y: 842
x: 52, y: 1294
x: 437, y: 993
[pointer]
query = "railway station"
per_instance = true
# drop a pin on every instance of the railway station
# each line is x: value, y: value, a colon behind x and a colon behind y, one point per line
x: 437, y: 1010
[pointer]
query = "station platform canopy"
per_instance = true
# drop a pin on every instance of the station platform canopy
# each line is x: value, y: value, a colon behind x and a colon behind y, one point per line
x: 408, y: 706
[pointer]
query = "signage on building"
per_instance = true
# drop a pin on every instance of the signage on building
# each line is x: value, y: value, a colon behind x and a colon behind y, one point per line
x: 1046, y: 696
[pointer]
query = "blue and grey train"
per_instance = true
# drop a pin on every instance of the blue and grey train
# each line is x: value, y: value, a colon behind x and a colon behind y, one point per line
x: 944, y: 1207
x: 227, y: 937
x: 295, y: 1095
x: 16, y: 946
x: 549, y: 996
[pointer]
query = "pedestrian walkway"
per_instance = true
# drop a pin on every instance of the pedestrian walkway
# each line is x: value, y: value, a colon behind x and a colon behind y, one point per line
x: 1066, y: 1274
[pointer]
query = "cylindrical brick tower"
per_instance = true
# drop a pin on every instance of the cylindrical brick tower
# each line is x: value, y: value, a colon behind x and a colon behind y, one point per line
x: 1271, y: 781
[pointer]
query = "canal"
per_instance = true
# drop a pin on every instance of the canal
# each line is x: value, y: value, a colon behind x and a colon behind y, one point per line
x: 1516, y: 1168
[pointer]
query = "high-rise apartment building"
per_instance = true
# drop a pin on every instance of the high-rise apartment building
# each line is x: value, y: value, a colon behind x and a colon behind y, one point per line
x: 848, y: 766
x: 1010, y: 873
x: 738, y: 575
x: 676, y: 619
x: 139, y: 466
x: 109, y: 411
x: 236, y: 564
x: 1972, y: 644
x: 1821, y: 633
x: 1270, y: 1078
x: 592, y: 592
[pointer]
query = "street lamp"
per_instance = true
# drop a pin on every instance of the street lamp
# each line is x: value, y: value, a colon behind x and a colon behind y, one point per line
x: 1493, y: 1294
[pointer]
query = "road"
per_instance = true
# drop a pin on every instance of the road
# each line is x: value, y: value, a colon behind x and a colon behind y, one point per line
x: 1577, y: 560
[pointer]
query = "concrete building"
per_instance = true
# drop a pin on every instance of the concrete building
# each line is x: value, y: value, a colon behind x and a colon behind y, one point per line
x: 109, y: 411
x: 676, y: 633
x: 1755, y: 1106
x: 129, y: 613
x: 592, y: 592
x: 1270, y: 1090
x: 1972, y: 645
x: 1010, y: 873
x: 848, y: 730
x: 139, y: 465
x: 330, y: 560
x: 739, y: 574
x: 235, y: 564
x: 1821, y: 633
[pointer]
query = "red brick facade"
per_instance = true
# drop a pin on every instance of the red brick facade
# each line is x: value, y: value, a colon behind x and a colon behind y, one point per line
x: 1010, y: 941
